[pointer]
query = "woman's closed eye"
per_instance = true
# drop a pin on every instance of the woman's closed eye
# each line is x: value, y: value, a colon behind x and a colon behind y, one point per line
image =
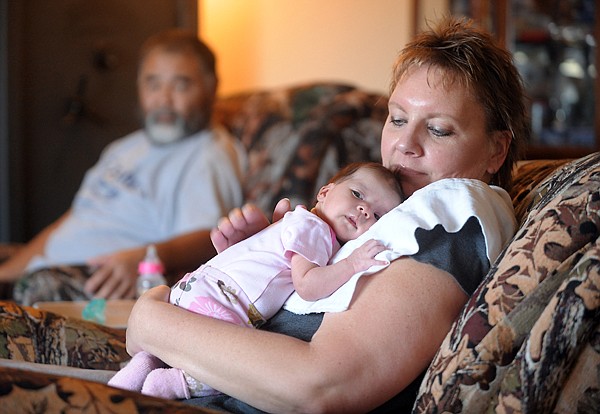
x: 397, y: 121
x: 439, y: 132
x: 436, y: 131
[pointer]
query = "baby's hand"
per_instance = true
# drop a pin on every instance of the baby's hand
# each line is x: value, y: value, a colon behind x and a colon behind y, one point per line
x: 364, y: 256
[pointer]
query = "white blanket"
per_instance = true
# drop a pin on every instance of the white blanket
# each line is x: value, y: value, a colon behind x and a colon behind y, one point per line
x: 449, y: 202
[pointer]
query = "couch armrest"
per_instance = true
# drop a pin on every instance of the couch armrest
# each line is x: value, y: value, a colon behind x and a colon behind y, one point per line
x: 521, y: 340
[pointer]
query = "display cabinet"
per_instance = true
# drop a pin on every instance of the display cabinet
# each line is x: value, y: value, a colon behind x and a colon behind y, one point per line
x: 554, y: 44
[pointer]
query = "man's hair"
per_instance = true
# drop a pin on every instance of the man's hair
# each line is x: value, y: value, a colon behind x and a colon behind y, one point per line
x: 469, y: 56
x: 387, y: 175
x: 184, y: 42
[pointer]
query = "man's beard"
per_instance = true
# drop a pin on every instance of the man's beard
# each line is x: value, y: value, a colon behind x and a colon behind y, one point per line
x: 163, y: 131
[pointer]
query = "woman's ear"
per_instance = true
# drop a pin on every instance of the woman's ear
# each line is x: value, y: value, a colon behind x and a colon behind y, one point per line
x: 500, y: 145
x: 323, y: 191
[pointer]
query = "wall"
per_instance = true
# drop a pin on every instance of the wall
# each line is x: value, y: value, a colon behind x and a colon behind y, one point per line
x: 67, y: 89
x: 4, y: 149
x: 269, y: 43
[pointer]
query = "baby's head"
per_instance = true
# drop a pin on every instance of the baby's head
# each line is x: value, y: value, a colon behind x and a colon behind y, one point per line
x: 356, y: 197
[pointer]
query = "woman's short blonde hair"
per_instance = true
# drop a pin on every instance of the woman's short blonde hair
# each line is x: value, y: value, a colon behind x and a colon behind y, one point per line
x: 470, y: 56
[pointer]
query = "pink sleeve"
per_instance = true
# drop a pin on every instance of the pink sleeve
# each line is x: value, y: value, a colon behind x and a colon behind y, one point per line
x: 306, y: 234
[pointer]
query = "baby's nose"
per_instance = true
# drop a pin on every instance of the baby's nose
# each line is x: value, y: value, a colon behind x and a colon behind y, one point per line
x: 364, y: 211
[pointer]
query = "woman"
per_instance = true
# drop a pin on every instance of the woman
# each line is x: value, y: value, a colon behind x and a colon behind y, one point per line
x: 456, y: 109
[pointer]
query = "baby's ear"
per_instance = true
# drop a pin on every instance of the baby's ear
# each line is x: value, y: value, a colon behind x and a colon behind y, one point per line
x: 323, y: 191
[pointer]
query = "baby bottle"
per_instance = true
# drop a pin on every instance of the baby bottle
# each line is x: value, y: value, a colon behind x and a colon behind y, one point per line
x: 150, y: 271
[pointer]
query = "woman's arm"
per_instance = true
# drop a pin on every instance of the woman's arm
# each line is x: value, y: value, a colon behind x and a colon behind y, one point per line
x: 357, y: 360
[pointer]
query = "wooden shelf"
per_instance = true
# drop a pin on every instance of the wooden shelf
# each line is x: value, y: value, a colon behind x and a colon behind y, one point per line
x: 540, y: 152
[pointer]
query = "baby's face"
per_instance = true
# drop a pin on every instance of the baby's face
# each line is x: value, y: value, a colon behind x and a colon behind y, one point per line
x: 352, y: 206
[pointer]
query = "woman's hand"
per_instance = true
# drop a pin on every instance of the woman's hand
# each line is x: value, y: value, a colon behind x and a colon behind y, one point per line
x: 242, y: 223
x: 141, y: 317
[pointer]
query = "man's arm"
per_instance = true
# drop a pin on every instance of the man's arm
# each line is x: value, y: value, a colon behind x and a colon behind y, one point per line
x: 117, y: 273
x: 12, y: 269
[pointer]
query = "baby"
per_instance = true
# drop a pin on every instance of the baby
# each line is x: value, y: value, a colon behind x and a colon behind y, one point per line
x: 248, y: 283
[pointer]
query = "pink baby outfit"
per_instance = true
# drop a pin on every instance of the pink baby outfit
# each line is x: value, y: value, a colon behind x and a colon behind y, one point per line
x: 246, y: 284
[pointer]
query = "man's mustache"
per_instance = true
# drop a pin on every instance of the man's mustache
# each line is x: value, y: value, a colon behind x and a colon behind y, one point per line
x: 163, y: 116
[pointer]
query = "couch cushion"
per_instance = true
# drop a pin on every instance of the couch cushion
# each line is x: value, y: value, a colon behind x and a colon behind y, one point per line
x: 298, y: 137
x: 527, y: 176
x: 33, y: 335
x: 533, y: 319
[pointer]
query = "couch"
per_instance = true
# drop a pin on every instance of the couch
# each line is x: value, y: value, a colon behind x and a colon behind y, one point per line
x: 526, y: 341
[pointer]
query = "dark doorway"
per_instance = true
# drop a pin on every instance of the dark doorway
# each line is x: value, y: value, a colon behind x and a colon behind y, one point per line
x: 70, y: 67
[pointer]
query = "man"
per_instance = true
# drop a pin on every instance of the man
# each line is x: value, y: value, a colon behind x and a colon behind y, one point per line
x: 167, y: 185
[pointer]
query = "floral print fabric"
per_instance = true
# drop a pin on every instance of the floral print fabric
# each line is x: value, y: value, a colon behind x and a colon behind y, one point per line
x: 32, y: 335
x: 528, y: 339
x: 298, y: 137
